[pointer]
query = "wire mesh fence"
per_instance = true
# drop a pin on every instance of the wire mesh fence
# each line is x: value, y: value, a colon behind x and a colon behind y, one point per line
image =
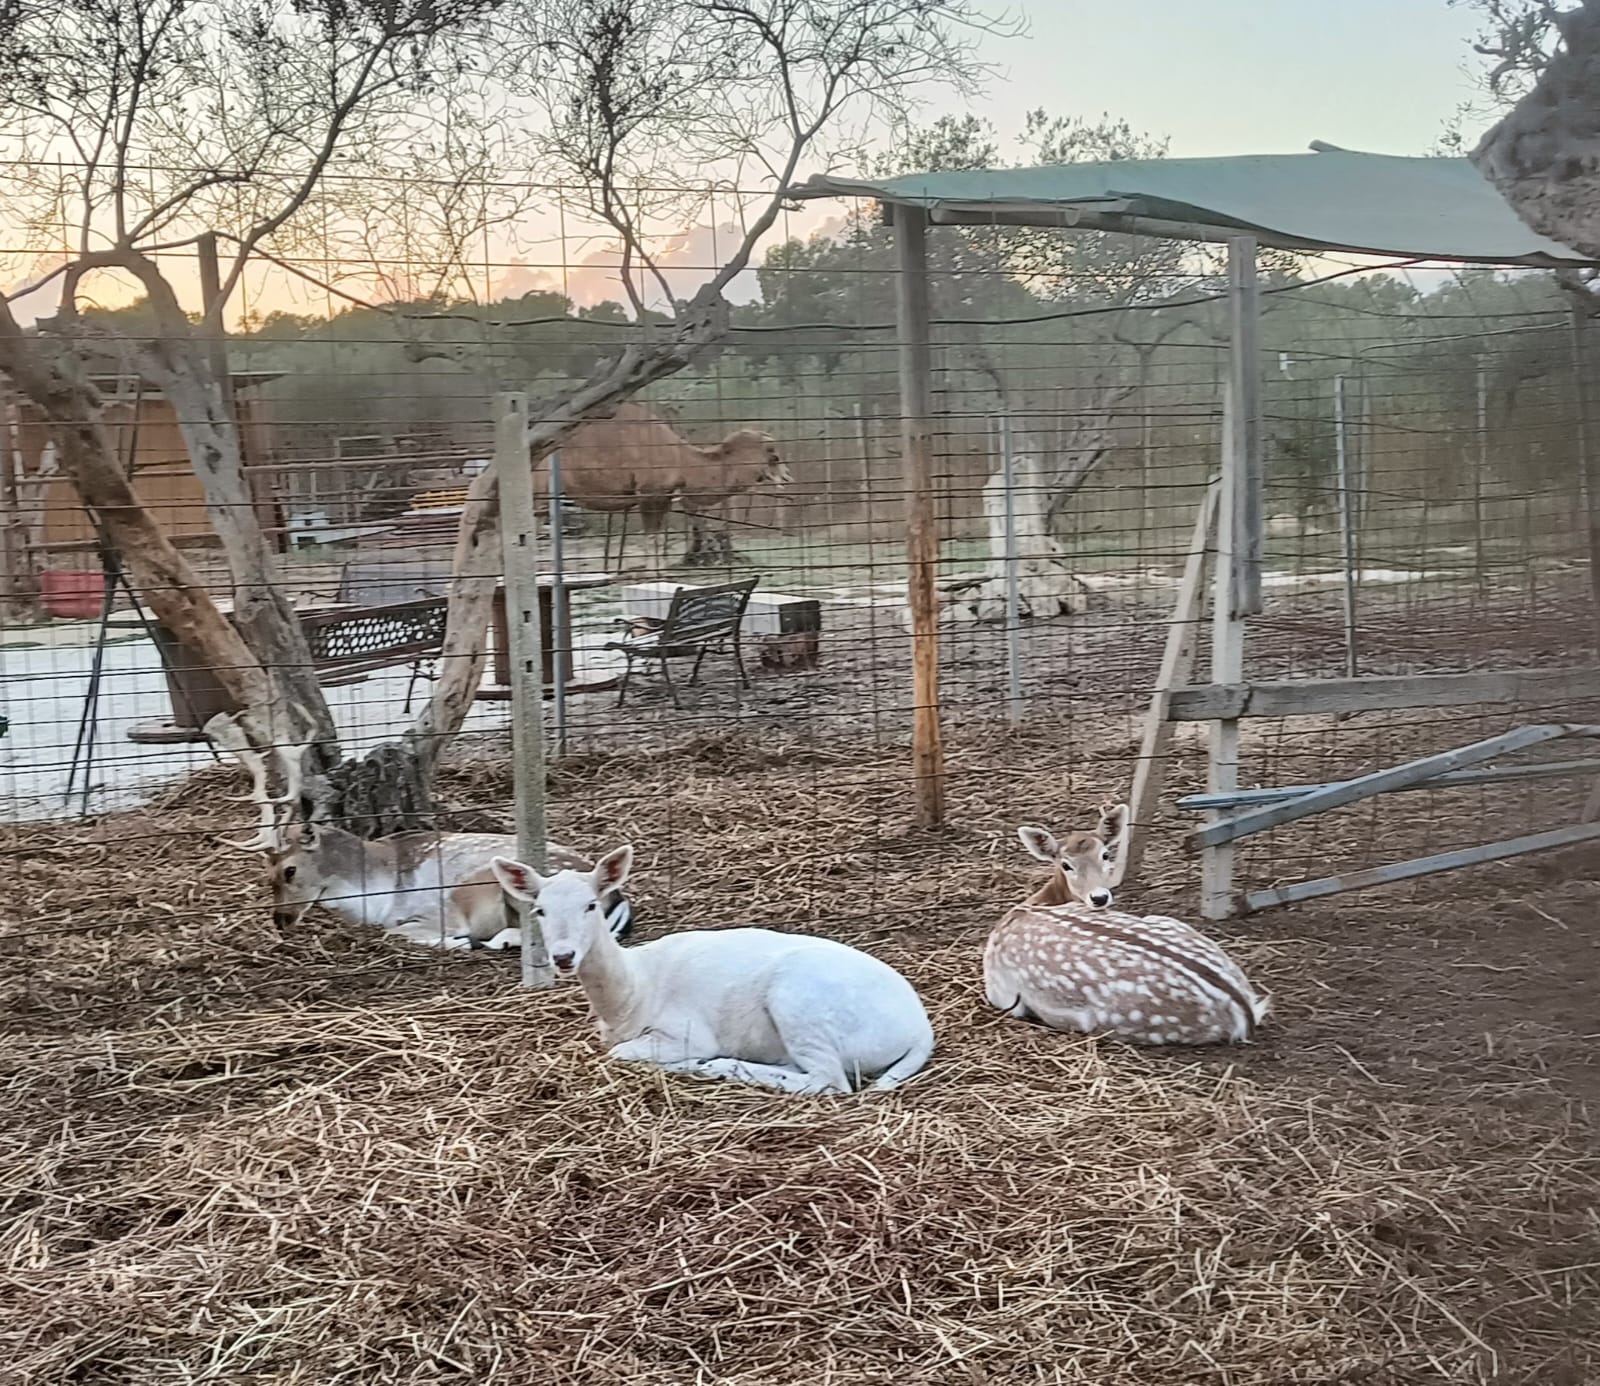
x: 1425, y: 513
x: 255, y: 1096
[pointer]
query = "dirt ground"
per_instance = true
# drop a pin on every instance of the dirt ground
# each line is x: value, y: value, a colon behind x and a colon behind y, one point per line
x: 232, y: 1155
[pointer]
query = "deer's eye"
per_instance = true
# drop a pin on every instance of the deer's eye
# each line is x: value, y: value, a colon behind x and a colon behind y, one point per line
x: 1106, y: 855
x: 591, y: 907
x: 288, y: 872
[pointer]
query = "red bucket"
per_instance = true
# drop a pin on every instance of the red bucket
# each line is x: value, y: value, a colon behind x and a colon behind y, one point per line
x: 72, y: 596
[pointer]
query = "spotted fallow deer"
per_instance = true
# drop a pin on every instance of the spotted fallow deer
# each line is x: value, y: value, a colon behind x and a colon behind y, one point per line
x: 1066, y: 958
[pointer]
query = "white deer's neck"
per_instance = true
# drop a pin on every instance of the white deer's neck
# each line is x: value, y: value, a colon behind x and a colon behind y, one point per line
x: 612, y: 982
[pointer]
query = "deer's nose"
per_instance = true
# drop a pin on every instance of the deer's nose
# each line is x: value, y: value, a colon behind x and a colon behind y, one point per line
x: 563, y: 961
x: 1099, y: 898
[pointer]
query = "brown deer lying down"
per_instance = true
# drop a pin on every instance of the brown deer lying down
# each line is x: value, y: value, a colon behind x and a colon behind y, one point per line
x: 1066, y: 958
x: 432, y: 888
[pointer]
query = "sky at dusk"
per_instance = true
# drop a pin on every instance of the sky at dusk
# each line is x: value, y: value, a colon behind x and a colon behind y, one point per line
x: 1222, y: 77
x: 1243, y: 76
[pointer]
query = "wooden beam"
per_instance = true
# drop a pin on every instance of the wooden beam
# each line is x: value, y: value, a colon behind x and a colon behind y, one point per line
x: 922, y: 530
x: 1177, y: 662
x: 1244, y: 438
x: 519, y: 530
x: 1347, y: 527
x: 1421, y: 866
x: 17, y: 582
x: 1497, y: 774
x: 1588, y: 456
x: 1314, y: 697
x: 1237, y: 584
x: 1257, y: 820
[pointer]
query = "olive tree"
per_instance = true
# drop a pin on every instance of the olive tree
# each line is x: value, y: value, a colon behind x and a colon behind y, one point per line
x: 155, y: 128
x: 1541, y: 153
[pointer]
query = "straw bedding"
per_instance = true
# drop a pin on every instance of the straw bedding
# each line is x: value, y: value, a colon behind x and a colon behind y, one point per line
x: 233, y: 1156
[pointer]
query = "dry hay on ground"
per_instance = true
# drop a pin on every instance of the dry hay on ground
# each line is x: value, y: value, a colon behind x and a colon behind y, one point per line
x: 232, y: 1156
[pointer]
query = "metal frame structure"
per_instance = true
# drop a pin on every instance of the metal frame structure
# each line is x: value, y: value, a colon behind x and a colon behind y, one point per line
x: 1236, y: 557
x: 1258, y: 810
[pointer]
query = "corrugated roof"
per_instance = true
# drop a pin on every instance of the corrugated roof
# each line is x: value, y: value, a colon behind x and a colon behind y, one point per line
x: 1330, y: 199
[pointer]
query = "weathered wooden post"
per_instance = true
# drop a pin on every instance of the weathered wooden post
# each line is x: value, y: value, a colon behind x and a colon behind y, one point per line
x: 519, y: 535
x: 1347, y: 525
x: 1239, y: 535
x: 922, y: 532
x: 1177, y: 664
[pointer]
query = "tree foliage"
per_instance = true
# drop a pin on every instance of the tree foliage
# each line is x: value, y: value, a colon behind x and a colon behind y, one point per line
x: 363, y: 138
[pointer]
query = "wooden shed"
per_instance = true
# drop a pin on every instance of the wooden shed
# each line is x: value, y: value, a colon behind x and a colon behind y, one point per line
x: 46, y: 523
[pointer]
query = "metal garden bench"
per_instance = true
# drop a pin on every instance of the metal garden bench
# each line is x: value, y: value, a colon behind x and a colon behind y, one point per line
x: 700, y: 621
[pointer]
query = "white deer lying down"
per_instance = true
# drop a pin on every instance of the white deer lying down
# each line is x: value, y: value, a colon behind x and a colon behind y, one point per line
x: 1067, y: 959
x: 780, y: 1011
x: 433, y: 888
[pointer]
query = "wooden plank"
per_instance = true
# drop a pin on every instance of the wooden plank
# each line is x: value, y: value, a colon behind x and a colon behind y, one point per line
x: 1332, y: 796
x: 1177, y: 662
x: 1421, y: 866
x: 1589, y: 471
x: 1227, y: 666
x: 1315, y: 697
x: 1499, y: 774
x: 1244, y: 438
x: 1347, y: 528
x: 519, y: 530
x: 1015, y: 706
x: 559, y: 640
x: 922, y: 531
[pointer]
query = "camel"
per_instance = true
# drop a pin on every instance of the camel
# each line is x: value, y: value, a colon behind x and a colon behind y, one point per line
x: 636, y: 461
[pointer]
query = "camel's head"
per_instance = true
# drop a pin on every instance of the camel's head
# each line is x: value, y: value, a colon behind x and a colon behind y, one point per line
x: 749, y: 443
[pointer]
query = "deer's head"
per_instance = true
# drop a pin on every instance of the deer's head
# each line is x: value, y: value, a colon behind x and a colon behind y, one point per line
x: 567, y: 906
x: 308, y: 862
x: 1088, y: 865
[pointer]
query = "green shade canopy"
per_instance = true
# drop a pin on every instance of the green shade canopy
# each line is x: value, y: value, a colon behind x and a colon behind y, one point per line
x: 1328, y: 200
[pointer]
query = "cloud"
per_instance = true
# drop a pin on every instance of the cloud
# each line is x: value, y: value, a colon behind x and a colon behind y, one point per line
x: 521, y: 278
x: 686, y: 260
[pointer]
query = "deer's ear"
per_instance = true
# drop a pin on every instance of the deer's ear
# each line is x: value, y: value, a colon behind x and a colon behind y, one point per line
x: 518, y: 881
x: 1113, y: 823
x: 612, y: 869
x: 1040, y: 843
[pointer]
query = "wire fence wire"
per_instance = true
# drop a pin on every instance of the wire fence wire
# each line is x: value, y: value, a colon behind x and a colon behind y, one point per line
x: 1425, y: 514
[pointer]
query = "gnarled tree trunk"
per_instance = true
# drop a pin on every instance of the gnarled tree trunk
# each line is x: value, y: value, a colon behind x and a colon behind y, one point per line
x: 1544, y: 156
x: 261, y: 657
x: 51, y: 376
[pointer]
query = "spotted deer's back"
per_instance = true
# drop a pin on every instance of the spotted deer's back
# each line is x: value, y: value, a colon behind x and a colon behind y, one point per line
x: 1146, y: 978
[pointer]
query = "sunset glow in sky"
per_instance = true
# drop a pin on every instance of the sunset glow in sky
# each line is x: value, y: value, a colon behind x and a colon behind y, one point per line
x: 1224, y: 77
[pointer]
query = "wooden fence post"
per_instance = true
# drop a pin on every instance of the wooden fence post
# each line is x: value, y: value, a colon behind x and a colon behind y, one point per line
x: 519, y: 534
x: 922, y: 529
x: 1239, y: 549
